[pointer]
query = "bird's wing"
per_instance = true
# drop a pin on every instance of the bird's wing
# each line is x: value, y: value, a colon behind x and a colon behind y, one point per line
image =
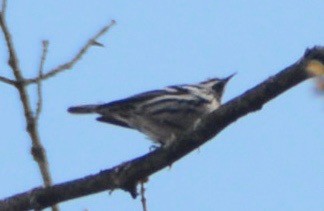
x: 118, y: 112
x: 178, y: 108
x: 130, y: 102
x: 179, y: 114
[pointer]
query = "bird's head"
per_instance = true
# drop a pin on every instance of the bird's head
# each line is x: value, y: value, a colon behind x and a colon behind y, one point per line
x: 216, y: 85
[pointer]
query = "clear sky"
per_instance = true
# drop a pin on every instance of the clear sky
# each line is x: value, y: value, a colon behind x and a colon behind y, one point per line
x: 269, y: 160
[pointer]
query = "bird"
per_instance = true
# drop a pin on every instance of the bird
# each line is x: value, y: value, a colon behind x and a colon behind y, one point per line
x: 164, y: 115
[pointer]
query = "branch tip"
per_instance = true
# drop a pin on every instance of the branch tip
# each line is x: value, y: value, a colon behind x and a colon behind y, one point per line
x: 95, y: 43
x: 39, y: 104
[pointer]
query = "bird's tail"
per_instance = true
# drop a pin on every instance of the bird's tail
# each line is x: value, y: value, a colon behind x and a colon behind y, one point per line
x: 84, y: 109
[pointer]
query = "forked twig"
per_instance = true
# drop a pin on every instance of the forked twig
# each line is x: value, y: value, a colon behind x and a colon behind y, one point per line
x: 20, y: 83
x: 68, y: 65
x: 37, y: 149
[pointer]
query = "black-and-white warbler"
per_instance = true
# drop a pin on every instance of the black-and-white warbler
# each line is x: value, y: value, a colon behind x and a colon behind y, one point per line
x: 164, y: 115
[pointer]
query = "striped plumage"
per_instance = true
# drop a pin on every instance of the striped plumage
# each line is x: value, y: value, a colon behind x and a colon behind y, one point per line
x: 163, y: 115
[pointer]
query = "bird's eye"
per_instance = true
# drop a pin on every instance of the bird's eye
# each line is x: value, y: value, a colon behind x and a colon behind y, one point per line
x: 218, y: 87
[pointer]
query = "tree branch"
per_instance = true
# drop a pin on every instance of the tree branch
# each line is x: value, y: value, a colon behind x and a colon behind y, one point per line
x: 13, y: 60
x: 20, y: 83
x: 7, y: 81
x: 68, y: 65
x: 126, y: 175
x: 31, y: 127
x: 37, y: 149
x: 39, y: 83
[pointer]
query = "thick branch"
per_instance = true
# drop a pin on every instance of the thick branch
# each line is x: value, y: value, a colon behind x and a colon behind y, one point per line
x: 127, y: 175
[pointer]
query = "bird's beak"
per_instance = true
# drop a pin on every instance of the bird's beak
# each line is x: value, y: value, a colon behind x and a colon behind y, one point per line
x: 228, y: 78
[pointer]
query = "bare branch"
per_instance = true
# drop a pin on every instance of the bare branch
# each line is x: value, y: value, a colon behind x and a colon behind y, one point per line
x: 39, y: 82
x: 31, y: 127
x: 37, y: 150
x: 20, y: 83
x: 7, y: 81
x: 13, y: 60
x: 127, y: 175
x: 68, y: 65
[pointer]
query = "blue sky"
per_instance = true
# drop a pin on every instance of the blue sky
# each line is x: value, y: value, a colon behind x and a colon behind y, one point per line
x: 269, y: 160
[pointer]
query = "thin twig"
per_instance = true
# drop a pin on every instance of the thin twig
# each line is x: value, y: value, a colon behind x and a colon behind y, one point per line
x: 7, y: 81
x: 143, y: 199
x: 68, y: 65
x: 13, y: 61
x: 39, y: 82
